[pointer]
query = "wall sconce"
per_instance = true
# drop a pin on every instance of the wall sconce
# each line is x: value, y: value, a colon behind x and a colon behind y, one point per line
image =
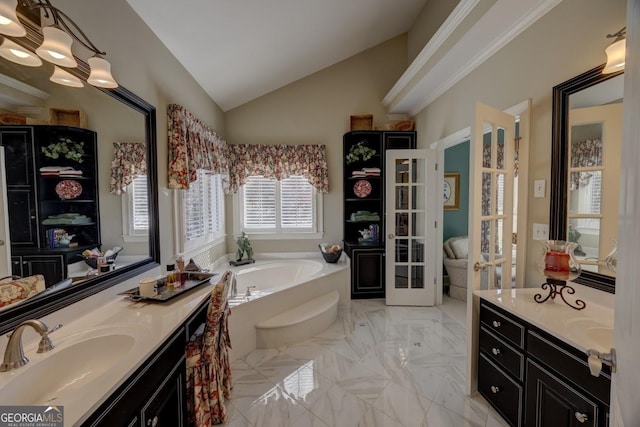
x: 56, y: 44
x: 616, y: 52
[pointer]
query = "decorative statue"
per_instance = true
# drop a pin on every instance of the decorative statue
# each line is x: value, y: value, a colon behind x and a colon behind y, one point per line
x: 244, y: 247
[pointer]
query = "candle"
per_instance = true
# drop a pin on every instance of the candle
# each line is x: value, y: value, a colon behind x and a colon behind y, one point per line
x: 556, y: 265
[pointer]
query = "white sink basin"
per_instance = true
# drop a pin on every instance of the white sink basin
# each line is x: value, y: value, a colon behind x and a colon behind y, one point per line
x: 70, y: 368
x: 599, y: 334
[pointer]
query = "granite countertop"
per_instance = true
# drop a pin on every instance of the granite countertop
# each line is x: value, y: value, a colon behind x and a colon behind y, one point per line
x: 590, y: 328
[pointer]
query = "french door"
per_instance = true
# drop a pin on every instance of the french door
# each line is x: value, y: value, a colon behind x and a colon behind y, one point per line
x: 411, y: 201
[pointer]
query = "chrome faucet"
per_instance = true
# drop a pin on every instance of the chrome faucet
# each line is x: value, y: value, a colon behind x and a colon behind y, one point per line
x: 248, y: 293
x: 14, y: 354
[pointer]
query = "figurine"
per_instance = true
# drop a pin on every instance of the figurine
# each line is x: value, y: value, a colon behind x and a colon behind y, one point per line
x: 244, y: 247
x: 366, y: 235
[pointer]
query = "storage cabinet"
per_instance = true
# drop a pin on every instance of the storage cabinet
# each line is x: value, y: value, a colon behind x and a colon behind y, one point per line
x: 364, y: 201
x: 51, y: 186
x: 534, y: 379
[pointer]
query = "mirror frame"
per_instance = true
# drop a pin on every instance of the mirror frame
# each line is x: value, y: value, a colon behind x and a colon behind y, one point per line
x: 41, y: 306
x: 559, y: 167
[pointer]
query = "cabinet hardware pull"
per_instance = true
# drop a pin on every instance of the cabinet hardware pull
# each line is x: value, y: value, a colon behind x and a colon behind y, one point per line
x: 495, y: 389
x: 581, y: 417
x: 495, y: 351
x: 496, y: 324
x: 153, y: 422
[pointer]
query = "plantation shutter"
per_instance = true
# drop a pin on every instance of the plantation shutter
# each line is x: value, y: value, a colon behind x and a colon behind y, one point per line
x: 296, y: 196
x: 139, y: 205
x: 259, y: 203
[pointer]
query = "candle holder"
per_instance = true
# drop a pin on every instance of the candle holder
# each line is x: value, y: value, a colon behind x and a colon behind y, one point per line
x: 559, y: 265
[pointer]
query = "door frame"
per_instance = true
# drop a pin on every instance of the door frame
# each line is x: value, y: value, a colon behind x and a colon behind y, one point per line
x: 522, y: 112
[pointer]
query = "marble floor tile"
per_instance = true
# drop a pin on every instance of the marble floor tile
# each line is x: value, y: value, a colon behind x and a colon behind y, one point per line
x: 375, y: 366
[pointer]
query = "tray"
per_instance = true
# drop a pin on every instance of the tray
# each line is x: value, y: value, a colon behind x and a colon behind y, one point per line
x: 193, y: 280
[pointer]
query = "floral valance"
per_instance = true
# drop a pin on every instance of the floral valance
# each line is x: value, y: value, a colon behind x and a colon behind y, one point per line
x: 587, y: 153
x: 192, y: 146
x: 129, y: 160
x: 279, y: 162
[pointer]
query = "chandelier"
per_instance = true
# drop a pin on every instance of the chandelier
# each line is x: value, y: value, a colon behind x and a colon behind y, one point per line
x: 57, y: 40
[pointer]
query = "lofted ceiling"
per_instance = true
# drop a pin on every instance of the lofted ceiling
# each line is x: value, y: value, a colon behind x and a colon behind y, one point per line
x: 239, y: 50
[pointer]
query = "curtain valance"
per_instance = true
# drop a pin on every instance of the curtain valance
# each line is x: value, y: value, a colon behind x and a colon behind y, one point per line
x: 129, y: 160
x: 192, y: 146
x: 279, y: 162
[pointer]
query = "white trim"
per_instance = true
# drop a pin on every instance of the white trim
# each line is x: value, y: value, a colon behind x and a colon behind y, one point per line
x: 23, y: 87
x: 482, y: 40
x: 446, y: 29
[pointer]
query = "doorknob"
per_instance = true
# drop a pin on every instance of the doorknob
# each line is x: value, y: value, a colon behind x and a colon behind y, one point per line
x: 392, y: 236
x: 1, y: 242
x: 477, y: 266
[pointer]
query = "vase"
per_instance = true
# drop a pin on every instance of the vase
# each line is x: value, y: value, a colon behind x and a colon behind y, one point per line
x: 559, y: 265
x: 558, y: 261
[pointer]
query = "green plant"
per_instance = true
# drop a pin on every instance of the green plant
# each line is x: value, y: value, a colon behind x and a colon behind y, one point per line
x: 65, y: 147
x: 359, y: 151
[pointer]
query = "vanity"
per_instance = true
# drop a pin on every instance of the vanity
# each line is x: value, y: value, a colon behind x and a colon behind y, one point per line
x: 115, y: 362
x: 532, y: 362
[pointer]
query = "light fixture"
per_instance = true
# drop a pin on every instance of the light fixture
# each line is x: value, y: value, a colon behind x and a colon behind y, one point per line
x: 18, y: 54
x: 57, y: 41
x: 616, y: 52
x: 65, y: 78
x: 9, y: 23
x: 100, y: 73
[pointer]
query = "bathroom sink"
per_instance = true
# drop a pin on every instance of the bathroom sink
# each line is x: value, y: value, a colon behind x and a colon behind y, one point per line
x: 66, y: 371
x: 595, y: 333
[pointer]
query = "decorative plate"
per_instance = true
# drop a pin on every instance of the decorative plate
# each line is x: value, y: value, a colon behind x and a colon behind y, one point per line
x: 68, y: 189
x: 362, y: 188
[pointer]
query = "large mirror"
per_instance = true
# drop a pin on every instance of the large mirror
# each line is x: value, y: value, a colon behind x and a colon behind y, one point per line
x: 586, y: 141
x: 115, y: 115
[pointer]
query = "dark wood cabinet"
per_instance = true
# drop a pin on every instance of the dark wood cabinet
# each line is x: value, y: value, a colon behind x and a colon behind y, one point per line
x: 364, y: 205
x: 534, y: 379
x: 42, y: 203
x: 165, y: 407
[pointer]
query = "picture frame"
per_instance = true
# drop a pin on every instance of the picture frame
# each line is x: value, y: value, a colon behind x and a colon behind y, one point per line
x: 451, y: 191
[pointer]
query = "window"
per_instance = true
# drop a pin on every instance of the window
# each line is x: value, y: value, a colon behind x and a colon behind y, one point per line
x: 286, y: 209
x: 135, y: 210
x: 201, y: 210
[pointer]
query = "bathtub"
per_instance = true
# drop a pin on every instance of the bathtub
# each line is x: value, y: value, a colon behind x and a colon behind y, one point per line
x: 270, y: 276
x: 282, y: 282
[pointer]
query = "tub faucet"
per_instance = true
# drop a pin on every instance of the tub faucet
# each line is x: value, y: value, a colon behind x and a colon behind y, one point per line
x: 14, y: 354
x: 248, y: 293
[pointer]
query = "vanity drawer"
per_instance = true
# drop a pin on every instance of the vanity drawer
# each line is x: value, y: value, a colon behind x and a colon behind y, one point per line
x: 569, y: 363
x: 502, y: 325
x: 501, y: 353
x: 502, y: 392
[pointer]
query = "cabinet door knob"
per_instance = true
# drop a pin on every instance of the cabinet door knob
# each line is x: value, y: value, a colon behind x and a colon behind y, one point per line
x: 496, y: 324
x: 495, y: 389
x: 153, y: 422
x: 581, y: 417
x: 392, y: 236
x: 495, y: 351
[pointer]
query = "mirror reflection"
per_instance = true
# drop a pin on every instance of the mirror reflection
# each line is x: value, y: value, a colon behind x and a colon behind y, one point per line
x: 69, y: 212
x: 594, y: 141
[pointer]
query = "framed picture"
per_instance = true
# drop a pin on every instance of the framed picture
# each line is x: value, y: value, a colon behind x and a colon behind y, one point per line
x: 451, y: 191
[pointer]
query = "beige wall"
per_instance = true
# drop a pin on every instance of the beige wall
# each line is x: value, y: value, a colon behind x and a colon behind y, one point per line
x: 316, y: 110
x: 142, y: 64
x: 567, y: 41
x: 428, y: 21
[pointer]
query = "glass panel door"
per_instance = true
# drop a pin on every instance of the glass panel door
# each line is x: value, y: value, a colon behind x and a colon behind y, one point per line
x: 409, y: 269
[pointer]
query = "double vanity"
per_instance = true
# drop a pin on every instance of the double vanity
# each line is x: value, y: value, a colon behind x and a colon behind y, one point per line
x: 533, y: 366
x: 120, y: 363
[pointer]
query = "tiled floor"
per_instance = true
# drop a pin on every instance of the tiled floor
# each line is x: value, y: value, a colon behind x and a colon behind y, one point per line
x: 375, y: 366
